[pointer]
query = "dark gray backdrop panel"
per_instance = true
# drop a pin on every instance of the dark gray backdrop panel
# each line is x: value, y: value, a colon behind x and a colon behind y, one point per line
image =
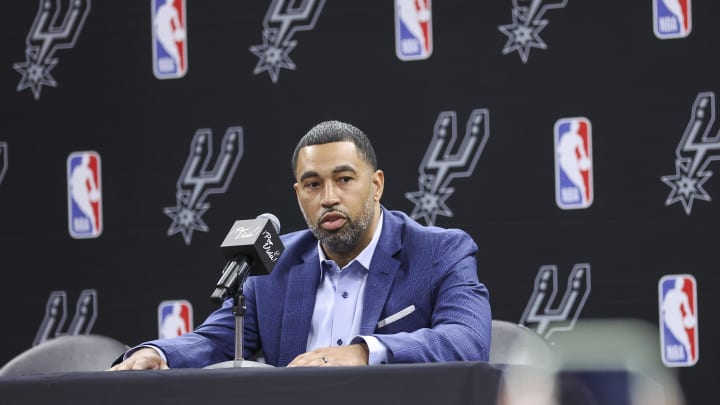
x: 602, y: 62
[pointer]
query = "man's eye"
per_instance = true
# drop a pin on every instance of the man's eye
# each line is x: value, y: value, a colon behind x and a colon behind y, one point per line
x: 312, y: 185
x: 345, y: 179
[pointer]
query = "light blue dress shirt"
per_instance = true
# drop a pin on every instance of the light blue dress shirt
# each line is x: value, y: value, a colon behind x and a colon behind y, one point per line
x: 339, y: 303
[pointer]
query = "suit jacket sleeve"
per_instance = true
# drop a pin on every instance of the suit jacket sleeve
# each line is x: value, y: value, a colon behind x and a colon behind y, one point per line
x: 210, y: 343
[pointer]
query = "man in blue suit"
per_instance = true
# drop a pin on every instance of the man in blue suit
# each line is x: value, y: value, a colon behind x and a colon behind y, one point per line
x: 364, y: 285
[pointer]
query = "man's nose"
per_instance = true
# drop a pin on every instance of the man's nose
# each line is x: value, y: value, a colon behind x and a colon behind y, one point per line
x: 329, y: 196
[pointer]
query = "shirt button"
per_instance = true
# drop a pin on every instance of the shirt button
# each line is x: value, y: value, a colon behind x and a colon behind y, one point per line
x: 339, y: 342
x: 344, y: 294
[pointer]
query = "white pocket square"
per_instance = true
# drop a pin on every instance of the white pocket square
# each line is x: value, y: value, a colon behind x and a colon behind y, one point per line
x: 396, y: 316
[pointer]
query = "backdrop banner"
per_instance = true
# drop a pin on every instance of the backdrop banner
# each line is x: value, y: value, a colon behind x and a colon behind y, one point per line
x: 574, y: 140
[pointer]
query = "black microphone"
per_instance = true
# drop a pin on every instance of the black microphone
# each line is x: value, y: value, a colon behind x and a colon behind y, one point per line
x: 251, y: 247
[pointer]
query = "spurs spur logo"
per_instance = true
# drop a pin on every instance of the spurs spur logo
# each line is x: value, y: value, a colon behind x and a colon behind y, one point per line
x: 56, y: 315
x: 440, y: 165
x: 51, y: 30
x: 3, y: 160
x: 524, y: 32
x: 693, y: 155
x: 540, y: 312
x: 197, y: 181
x: 282, y: 21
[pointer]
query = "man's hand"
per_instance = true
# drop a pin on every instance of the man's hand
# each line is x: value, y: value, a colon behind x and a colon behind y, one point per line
x: 352, y: 355
x: 143, y: 359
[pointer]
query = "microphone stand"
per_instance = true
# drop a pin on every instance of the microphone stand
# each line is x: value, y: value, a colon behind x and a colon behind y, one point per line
x: 239, y: 311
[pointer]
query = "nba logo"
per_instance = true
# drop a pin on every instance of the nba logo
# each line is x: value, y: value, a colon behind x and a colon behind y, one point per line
x: 672, y: 18
x: 175, y: 318
x: 413, y: 29
x: 678, y: 320
x: 84, y: 195
x: 169, y: 39
x: 573, y: 163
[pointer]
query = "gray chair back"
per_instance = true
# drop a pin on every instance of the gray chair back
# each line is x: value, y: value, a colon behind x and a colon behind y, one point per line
x: 515, y: 344
x: 66, y: 353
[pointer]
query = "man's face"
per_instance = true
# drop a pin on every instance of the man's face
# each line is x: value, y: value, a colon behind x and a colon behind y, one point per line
x: 339, y: 195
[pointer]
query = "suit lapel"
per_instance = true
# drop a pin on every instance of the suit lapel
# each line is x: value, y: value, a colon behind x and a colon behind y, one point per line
x: 299, y: 304
x: 382, y: 271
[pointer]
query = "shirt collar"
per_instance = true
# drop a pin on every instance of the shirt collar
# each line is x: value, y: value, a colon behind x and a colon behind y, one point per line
x: 365, y: 256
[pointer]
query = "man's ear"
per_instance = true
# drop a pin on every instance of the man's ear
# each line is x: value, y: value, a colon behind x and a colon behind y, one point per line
x: 379, y: 182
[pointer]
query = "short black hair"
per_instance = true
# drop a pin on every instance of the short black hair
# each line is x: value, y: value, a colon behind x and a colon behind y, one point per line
x: 337, y: 131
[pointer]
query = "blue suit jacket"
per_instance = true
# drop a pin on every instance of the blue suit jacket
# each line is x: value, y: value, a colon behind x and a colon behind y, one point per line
x: 431, y: 268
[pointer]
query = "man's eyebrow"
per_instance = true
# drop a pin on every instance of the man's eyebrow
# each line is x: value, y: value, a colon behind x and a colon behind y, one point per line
x: 344, y: 168
x: 308, y: 174
x: 336, y: 170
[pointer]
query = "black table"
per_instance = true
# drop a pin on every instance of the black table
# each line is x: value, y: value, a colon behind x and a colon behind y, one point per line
x: 438, y: 384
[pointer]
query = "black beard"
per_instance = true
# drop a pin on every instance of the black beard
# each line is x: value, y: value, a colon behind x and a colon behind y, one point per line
x: 347, y: 238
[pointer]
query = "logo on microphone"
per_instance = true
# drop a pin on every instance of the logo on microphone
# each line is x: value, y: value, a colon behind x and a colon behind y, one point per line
x: 413, y: 29
x: 54, y: 28
x: 242, y: 232
x: 541, y: 312
x: 283, y: 19
x: 693, y: 156
x: 85, y: 217
x: 672, y: 18
x: 524, y: 32
x: 268, y: 247
x: 440, y: 165
x: 678, y: 320
x: 573, y: 163
x: 175, y: 318
x: 3, y: 160
x: 169, y: 39
x: 56, y: 314
x: 197, y: 182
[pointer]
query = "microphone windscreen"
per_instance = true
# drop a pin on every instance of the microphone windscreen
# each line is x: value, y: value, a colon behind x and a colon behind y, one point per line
x: 257, y: 241
x: 273, y: 220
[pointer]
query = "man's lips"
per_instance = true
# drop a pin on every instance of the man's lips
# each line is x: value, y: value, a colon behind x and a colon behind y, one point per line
x: 332, y: 221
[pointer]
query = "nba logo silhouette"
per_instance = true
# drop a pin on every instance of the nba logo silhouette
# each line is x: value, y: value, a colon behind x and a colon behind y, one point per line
x: 169, y: 39
x: 85, y: 219
x: 175, y: 318
x: 573, y: 163
x: 678, y: 320
x: 672, y: 18
x: 413, y: 29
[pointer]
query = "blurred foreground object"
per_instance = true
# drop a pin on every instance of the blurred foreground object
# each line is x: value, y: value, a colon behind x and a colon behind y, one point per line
x: 599, y: 362
x: 515, y: 344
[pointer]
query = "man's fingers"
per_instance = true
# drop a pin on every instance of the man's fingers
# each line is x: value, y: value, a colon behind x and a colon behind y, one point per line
x: 314, y: 358
x: 147, y: 360
x: 142, y: 364
x: 299, y: 361
x: 149, y: 363
x: 125, y: 365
